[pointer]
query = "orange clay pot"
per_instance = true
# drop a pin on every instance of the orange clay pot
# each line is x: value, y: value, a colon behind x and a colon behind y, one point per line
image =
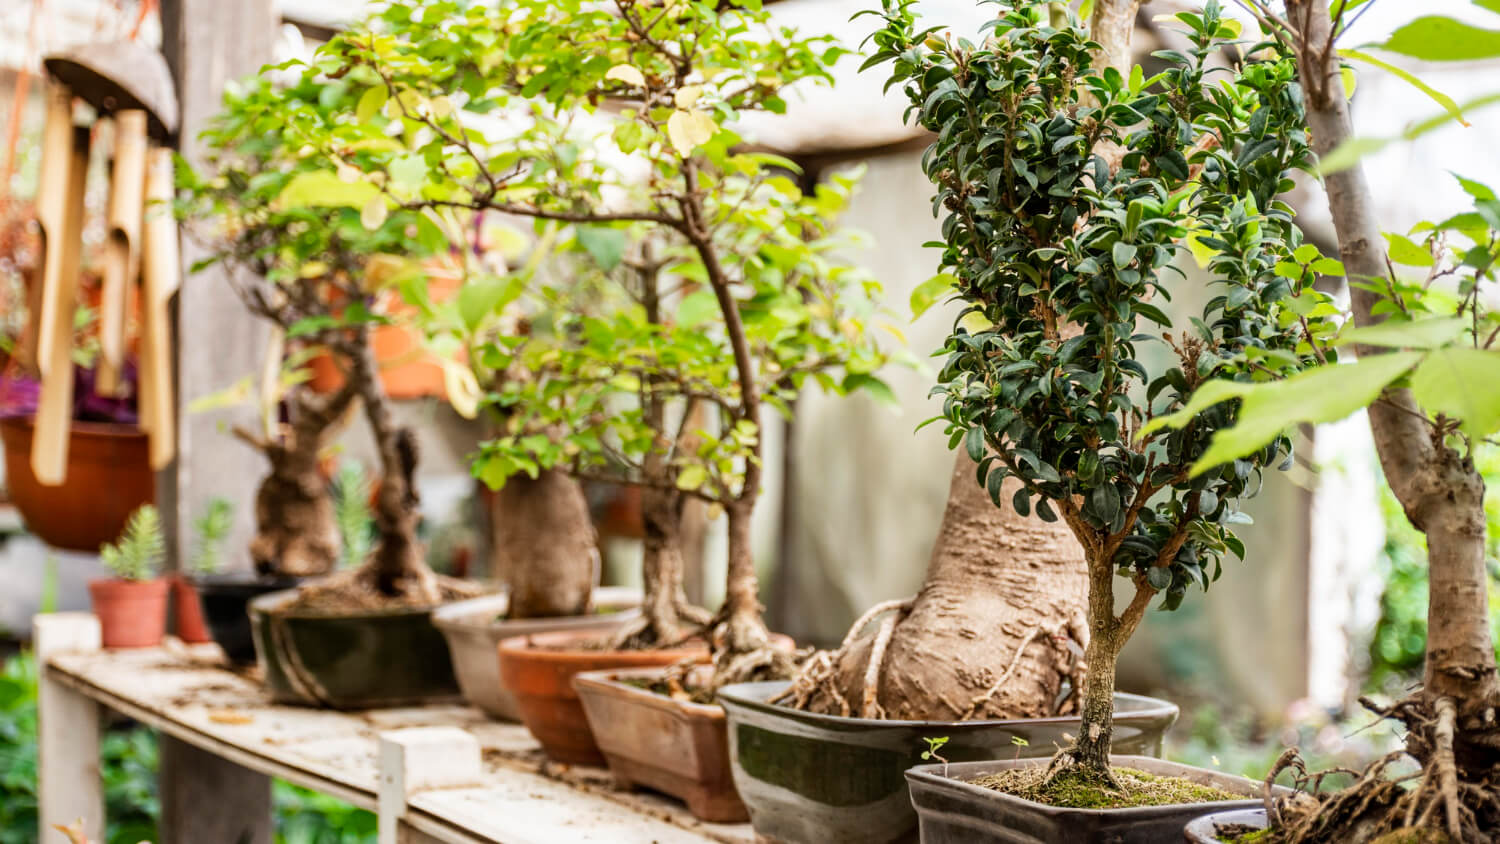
x: 406, y: 370
x: 132, y: 613
x: 187, y: 612
x: 538, y: 670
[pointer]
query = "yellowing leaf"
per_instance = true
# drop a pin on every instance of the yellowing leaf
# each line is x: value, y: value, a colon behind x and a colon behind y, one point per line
x: 372, y: 215
x: 692, y: 477
x: 348, y: 174
x: 323, y: 189
x: 1350, y: 80
x: 688, y: 129
x: 688, y: 95
x: 627, y: 74
x: 442, y: 108
x: 370, y: 103
x: 462, y: 388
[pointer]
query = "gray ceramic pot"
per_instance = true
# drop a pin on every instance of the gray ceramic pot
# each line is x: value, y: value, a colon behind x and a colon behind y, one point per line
x: 1206, y: 829
x: 821, y: 779
x: 474, y: 629
x: 367, y: 660
x: 953, y: 811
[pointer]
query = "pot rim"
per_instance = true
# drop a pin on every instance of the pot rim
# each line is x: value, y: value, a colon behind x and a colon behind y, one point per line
x: 129, y: 581
x: 610, y: 678
x: 523, y: 644
x: 271, y: 602
x: 237, y: 579
x: 1207, y: 825
x: 932, y: 776
x: 467, y: 614
x: 114, y: 430
x: 747, y: 696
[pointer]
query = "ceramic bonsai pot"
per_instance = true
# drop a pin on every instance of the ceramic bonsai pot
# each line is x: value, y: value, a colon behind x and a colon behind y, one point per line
x: 187, y: 612
x: 677, y: 747
x: 812, y: 778
x: 132, y: 613
x: 539, y: 671
x: 225, y: 601
x: 475, y: 628
x: 1220, y: 826
x: 367, y: 660
x: 109, y: 477
x: 953, y: 811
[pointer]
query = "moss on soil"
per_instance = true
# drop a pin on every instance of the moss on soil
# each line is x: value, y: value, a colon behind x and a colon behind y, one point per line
x: 693, y: 694
x: 1077, y: 789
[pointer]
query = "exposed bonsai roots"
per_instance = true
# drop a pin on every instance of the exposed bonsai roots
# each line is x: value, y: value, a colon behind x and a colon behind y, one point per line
x: 819, y: 674
x: 1442, y: 802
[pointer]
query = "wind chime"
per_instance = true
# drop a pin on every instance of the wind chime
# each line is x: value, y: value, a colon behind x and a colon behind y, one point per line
x: 128, y: 85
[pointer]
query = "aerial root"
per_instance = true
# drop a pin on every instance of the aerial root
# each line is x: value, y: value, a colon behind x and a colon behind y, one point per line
x: 819, y: 673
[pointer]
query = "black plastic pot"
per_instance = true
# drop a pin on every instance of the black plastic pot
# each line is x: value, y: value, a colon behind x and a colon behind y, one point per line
x: 953, y: 811
x: 369, y: 660
x: 822, y: 779
x: 226, y: 609
x: 1206, y: 829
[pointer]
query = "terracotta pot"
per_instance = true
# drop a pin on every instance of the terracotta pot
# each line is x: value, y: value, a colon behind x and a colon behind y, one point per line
x: 406, y: 370
x: 474, y: 628
x: 809, y: 778
x: 109, y: 476
x: 132, y: 613
x: 187, y: 612
x: 539, y: 671
x: 677, y: 747
x: 954, y: 811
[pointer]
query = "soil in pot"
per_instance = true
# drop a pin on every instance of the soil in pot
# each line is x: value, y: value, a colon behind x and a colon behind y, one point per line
x: 812, y: 778
x: 675, y: 744
x: 958, y: 802
x: 1235, y: 826
x: 350, y: 659
x: 187, y: 612
x: 132, y: 613
x: 109, y: 477
x: 539, y: 671
x: 225, y: 600
x: 475, y: 628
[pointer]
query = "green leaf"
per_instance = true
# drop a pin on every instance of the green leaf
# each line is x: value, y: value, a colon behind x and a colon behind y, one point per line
x: 370, y: 103
x: 1443, y: 39
x: 1406, y: 334
x: 1348, y: 154
x: 974, y: 443
x: 930, y: 292
x: 1438, y: 96
x: 878, y: 389
x: 1478, y: 190
x: 605, y: 245
x: 692, y: 477
x: 1403, y: 251
x: 481, y: 297
x: 1460, y: 383
x: 1159, y: 577
x: 696, y: 308
x: 324, y: 189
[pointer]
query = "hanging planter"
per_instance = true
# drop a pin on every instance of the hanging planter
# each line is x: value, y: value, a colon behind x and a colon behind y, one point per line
x: 475, y: 628
x: 811, y: 778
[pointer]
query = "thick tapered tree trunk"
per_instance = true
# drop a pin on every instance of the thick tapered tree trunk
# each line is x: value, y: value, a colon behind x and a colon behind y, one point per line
x: 543, y: 545
x: 1438, y: 487
x: 997, y: 627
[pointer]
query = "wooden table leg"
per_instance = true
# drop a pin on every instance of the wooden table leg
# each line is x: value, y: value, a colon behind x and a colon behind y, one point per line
x: 68, y: 785
x: 206, y: 798
x: 420, y: 758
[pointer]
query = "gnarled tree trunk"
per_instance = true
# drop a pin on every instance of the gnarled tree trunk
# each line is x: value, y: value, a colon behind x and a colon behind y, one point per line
x: 995, y: 631
x: 543, y: 545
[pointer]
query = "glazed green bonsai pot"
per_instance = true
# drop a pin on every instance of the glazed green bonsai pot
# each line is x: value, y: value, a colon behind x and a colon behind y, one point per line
x: 368, y: 660
x: 821, y: 779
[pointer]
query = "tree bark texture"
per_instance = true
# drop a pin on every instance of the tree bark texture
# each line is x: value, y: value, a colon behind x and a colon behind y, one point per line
x: 1439, y: 489
x: 544, y: 546
x: 993, y: 632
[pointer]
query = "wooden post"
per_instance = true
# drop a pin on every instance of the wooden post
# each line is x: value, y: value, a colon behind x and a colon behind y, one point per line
x: 68, y: 786
x: 208, y: 798
x: 207, y: 44
x: 420, y: 758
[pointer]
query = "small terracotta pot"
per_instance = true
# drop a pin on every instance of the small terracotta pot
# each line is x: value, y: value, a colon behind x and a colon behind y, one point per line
x: 539, y: 671
x: 187, y: 612
x: 109, y: 477
x: 132, y: 613
x: 677, y: 747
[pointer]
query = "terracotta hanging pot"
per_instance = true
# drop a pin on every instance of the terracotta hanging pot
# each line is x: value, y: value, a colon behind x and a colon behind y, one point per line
x: 109, y: 477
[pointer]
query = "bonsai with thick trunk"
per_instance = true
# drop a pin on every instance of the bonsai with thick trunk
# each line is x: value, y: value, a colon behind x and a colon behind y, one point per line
x: 1068, y: 188
x: 746, y: 298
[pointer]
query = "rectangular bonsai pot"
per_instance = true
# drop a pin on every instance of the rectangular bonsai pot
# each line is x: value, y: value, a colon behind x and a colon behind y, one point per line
x: 677, y: 747
x: 808, y: 778
x: 953, y: 811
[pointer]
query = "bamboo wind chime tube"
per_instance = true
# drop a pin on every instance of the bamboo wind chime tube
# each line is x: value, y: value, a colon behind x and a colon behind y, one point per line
x: 160, y: 276
x: 54, y: 415
x: 122, y: 253
x: 51, y: 216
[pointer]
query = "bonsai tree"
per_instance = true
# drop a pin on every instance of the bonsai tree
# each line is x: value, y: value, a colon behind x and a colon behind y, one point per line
x: 210, y: 529
x: 1426, y: 369
x: 307, y: 263
x: 1067, y: 189
x: 664, y: 201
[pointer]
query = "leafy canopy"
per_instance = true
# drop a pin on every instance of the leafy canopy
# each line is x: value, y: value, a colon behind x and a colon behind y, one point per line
x: 1065, y: 195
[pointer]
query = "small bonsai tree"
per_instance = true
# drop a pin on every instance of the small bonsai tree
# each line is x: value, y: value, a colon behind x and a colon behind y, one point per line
x: 211, y: 529
x: 1067, y: 191
x: 664, y: 202
x: 141, y: 550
